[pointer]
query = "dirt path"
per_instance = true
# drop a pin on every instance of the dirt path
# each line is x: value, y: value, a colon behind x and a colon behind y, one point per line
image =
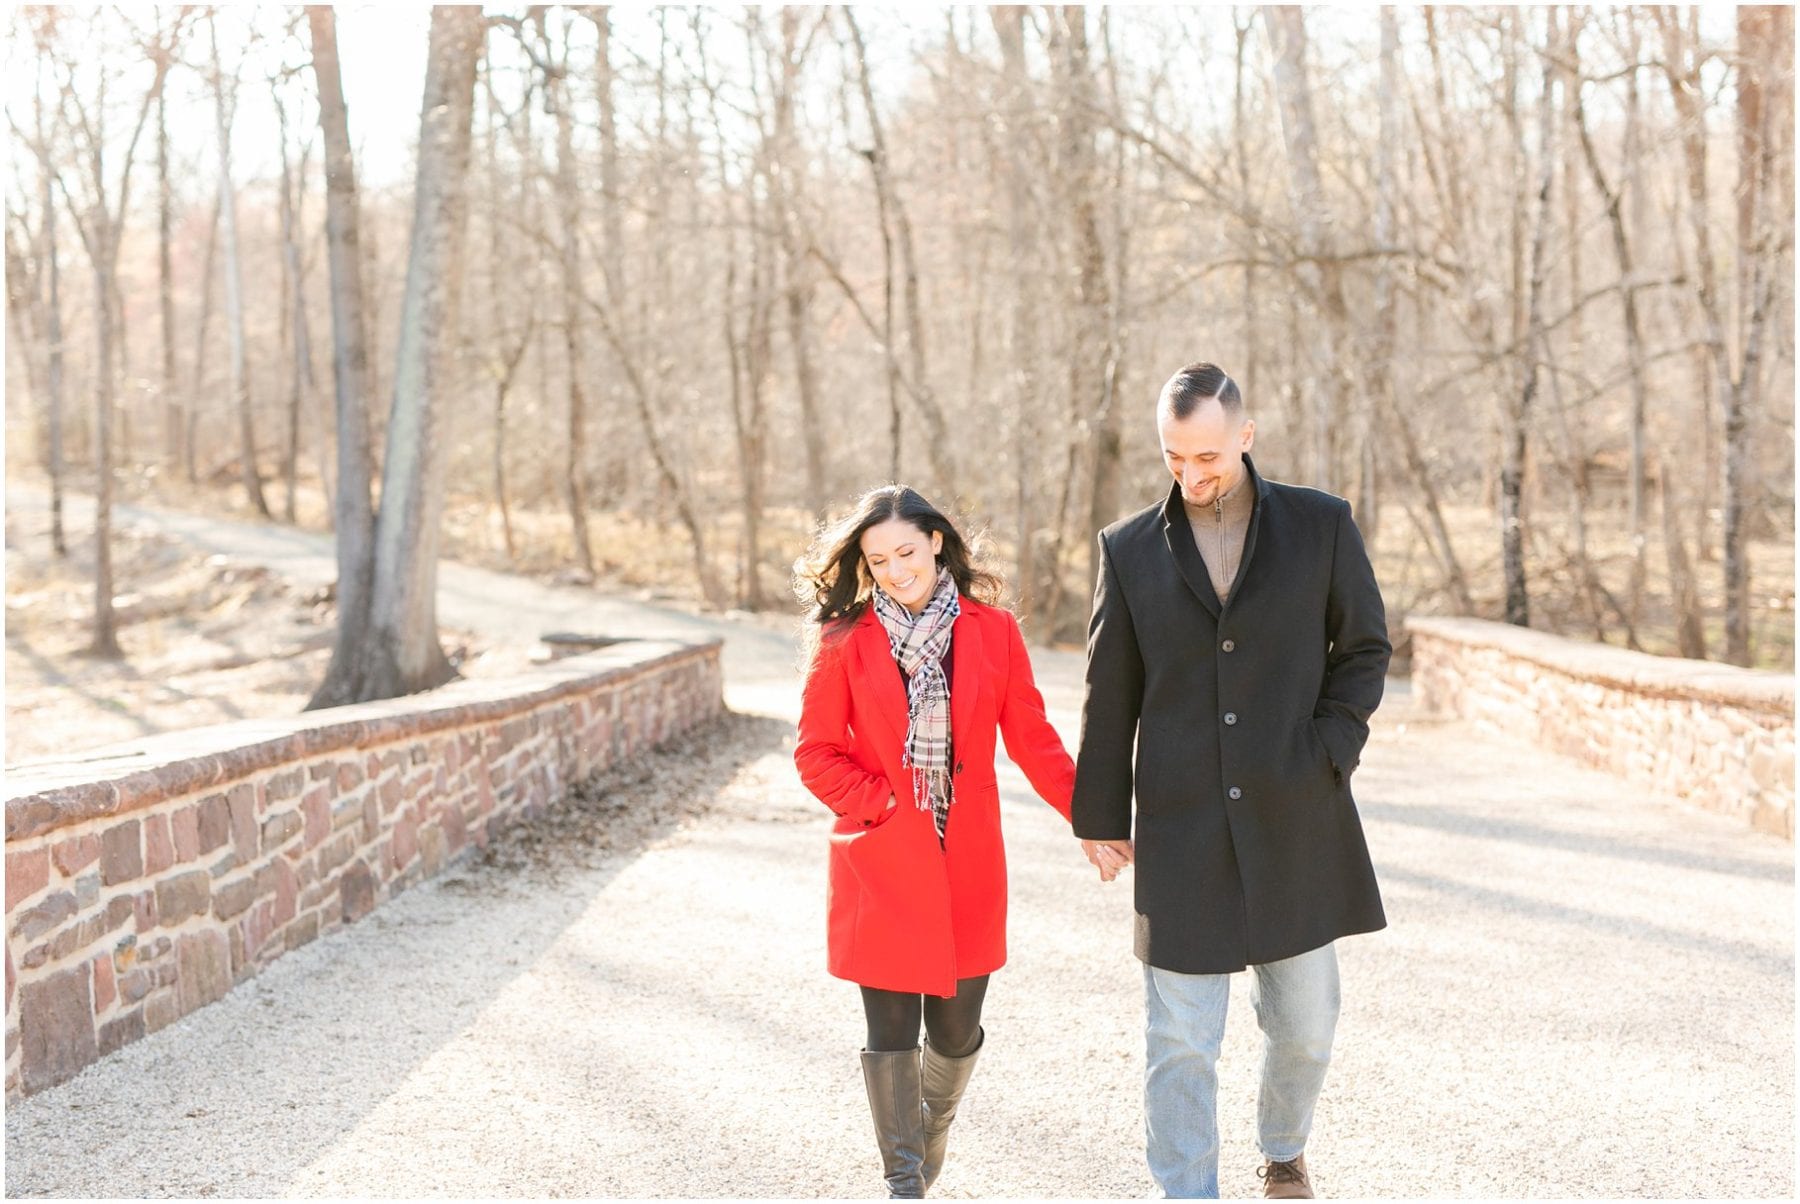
x: 1584, y: 991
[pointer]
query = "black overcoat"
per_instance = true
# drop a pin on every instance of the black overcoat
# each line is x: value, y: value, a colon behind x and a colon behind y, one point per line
x: 1247, y: 718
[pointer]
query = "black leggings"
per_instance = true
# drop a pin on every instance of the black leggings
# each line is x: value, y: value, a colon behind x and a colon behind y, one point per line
x: 952, y: 1025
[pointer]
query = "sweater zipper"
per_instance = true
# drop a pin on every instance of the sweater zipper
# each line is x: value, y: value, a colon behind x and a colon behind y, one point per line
x: 1219, y: 530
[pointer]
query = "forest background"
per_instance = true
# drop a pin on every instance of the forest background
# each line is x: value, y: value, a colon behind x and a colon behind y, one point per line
x: 640, y: 296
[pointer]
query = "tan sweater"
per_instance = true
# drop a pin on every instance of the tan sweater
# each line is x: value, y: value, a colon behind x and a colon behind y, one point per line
x: 1219, y: 531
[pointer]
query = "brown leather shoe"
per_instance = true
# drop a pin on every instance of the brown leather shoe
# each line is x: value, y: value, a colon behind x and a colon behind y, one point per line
x: 1286, y: 1180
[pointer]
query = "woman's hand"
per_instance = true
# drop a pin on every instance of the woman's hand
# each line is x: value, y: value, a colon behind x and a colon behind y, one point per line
x: 1108, y: 856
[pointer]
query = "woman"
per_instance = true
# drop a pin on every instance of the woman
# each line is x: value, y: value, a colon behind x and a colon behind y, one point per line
x: 912, y: 669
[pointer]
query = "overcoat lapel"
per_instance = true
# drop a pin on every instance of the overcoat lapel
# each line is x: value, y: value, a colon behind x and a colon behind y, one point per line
x: 1179, y: 536
x: 965, y: 659
x: 875, y: 658
x: 1257, y: 509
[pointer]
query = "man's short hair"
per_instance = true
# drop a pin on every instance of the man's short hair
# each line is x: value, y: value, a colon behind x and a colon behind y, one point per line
x: 1197, y: 383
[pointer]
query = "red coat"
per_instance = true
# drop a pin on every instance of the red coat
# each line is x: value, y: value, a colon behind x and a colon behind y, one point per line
x: 903, y: 914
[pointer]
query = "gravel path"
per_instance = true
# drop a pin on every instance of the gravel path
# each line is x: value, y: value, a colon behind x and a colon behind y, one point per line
x: 1584, y: 991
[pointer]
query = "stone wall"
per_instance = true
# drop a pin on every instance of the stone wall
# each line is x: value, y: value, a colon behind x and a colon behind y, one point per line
x: 1715, y: 735
x: 146, y: 879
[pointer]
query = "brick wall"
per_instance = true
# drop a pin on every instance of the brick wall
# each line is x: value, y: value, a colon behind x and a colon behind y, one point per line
x: 1717, y: 735
x: 144, y: 880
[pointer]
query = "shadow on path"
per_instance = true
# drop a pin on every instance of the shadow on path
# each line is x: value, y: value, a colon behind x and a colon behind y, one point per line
x: 1485, y: 826
x: 294, y: 1059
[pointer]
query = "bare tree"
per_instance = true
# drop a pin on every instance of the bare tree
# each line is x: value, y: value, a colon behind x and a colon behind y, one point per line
x: 300, y: 381
x: 568, y: 199
x: 35, y: 294
x: 714, y: 244
x: 173, y: 426
x: 1318, y: 269
x: 896, y: 227
x: 783, y: 173
x: 224, y: 97
x: 510, y: 339
x: 190, y: 441
x: 746, y: 355
x: 403, y: 654
x: 1684, y: 596
x: 1014, y: 112
x: 352, y: 507
x: 1106, y: 431
x: 1093, y: 420
x: 1612, y: 197
x: 1516, y: 410
x: 98, y: 201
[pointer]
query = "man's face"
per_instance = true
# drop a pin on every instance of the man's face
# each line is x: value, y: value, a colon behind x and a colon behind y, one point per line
x: 1205, y: 450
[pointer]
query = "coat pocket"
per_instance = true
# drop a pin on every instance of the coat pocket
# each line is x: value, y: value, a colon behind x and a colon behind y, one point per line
x: 1319, y: 758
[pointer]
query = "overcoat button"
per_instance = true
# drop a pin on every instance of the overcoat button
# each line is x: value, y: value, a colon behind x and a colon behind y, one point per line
x: 1229, y: 646
x: 1234, y: 792
x: 959, y: 767
x: 1230, y: 718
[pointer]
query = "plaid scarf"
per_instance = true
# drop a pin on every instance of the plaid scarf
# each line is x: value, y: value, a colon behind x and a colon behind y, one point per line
x: 918, y: 643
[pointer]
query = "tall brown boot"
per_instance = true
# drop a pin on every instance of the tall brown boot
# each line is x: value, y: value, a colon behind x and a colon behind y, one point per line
x: 942, y: 1082
x: 892, y: 1079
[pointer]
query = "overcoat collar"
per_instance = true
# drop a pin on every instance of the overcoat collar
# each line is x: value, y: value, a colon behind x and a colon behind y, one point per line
x: 1178, y: 534
x: 876, y: 659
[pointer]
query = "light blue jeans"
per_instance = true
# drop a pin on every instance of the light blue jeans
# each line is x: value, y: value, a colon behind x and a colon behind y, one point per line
x: 1296, y: 1002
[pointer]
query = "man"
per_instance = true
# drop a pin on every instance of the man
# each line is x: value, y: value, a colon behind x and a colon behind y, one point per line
x: 1238, y: 638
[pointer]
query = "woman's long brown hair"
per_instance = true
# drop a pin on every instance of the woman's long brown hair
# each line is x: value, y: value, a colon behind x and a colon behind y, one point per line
x: 833, y: 581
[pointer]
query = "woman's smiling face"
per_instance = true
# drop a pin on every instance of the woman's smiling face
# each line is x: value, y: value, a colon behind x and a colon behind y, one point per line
x: 902, y: 560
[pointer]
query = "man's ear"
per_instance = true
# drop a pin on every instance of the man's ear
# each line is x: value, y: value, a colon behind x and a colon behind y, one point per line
x: 1249, y: 435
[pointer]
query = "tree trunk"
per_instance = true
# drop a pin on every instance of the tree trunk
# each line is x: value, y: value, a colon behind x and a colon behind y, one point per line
x: 1765, y: 91
x: 1092, y: 415
x: 1107, y: 433
x: 1318, y: 271
x: 404, y: 644
x: 883, y: 203
x: 106, y: 639
x: 173, y: 424
x: 1518, y: 410
x: 575, y: 489
x: 1016, y: 110
x: 1684, y: 598
x: 1613, y: 198
x: 234, y: 289
x: 190, y: 442
x: 506, y: 356
x: 301, y: 381
x: 613, y: 198
x: 53, y: 327
x: 612, y: 250
x: 1250, y: 326
x: 742, y: 360
x: 1681, y: 61
x: 1382, y: 365
x: 758, y: 359
x: 352, y: 508
x: 784, y: 183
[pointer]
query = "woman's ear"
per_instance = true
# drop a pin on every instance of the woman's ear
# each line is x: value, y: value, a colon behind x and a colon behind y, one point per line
x: 937, y: 543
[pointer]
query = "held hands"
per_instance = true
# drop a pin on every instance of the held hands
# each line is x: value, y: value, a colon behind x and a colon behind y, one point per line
x: 1108, y: 856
